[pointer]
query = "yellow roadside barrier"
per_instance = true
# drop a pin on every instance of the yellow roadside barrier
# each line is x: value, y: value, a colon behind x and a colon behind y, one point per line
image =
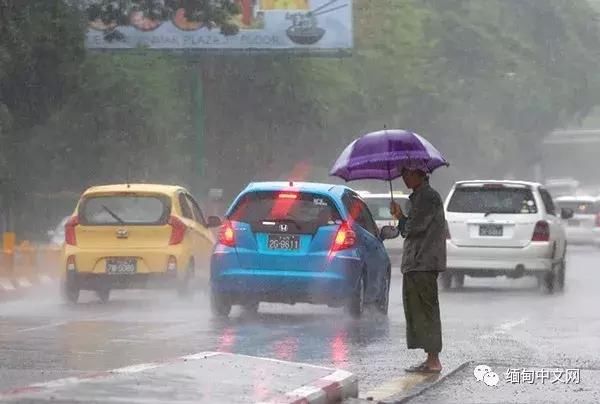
x: 26, y: 264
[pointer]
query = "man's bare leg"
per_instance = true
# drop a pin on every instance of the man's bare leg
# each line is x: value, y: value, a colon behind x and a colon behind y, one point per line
x: 433, y: 361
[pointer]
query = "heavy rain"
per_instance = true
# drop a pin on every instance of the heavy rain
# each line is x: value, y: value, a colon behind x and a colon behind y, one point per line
x: 299, y: 201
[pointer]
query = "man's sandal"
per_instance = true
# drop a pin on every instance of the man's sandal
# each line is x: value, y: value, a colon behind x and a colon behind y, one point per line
x: 422, y: 368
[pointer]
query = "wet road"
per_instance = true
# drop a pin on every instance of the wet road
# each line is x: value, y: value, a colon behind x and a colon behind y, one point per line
x: 489, y: 321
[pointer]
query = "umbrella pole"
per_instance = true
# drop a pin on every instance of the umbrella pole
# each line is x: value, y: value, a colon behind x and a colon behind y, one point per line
x: 392, y: 196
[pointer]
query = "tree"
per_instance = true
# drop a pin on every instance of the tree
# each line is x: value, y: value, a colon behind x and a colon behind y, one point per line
x: 41, y: 48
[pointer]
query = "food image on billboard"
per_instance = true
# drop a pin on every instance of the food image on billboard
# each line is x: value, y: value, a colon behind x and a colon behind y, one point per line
x: 262, y: 25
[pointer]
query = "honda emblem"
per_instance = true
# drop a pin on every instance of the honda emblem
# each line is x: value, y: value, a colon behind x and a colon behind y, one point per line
x: 283, y: 227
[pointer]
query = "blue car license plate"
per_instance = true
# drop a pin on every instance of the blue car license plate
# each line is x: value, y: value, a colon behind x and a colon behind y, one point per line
x: 121, y: 266
x: 287, y: 242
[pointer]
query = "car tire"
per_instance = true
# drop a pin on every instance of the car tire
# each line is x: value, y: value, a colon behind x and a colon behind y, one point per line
x: 459, y: 279
x: 184, y: 286
x: 219, y: 305
x: 560, y: 275
x: 251, y: 308
x: 446, y: 280
x: 384, y: 303
x: 103, y: 294
x: 71, y: 290
x: 549, y: 280
x: 356, y: 303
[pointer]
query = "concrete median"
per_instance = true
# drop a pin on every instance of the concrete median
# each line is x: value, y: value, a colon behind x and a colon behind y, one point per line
x: 213, y: 377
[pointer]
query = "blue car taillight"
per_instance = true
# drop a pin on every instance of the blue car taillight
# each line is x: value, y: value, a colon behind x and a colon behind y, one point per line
x: 345, y: 238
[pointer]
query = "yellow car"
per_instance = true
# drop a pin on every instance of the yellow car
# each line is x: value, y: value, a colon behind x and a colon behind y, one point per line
x: 132, y: 236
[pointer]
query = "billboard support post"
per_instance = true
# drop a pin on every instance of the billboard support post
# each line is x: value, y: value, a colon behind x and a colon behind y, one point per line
x: 199, y: 125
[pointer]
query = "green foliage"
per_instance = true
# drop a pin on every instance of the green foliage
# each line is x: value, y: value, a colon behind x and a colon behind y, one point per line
x: 41, y: 47
x: 484, y: 80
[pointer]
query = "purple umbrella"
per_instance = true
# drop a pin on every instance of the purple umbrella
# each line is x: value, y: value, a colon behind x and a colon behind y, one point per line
x: 382, y: 155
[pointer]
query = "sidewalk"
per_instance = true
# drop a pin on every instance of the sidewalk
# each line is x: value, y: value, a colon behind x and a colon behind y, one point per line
x: 207, y: 377
x: 515, y: 384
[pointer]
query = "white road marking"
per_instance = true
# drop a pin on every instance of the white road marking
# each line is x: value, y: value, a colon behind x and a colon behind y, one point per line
x: 6, y: 284
x: 135, y: 368
x: 504, y: 328
x: 61, y: 323
x: 53, y: 384
x: 24, y: 282
x: 57, y: 383
x: 306, y: 365
x: 43, y: 327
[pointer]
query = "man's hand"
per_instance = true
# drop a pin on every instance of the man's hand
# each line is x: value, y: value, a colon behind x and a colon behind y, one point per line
x: 396, y: 210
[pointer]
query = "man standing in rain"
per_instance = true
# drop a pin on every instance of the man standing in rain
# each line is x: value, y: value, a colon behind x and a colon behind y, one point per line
x: 424, y: 257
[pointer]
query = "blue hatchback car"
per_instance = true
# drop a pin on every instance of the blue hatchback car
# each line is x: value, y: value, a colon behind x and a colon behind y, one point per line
x: 300, y: 243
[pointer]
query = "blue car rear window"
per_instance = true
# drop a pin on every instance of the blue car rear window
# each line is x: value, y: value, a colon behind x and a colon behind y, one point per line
x: 302, y: 207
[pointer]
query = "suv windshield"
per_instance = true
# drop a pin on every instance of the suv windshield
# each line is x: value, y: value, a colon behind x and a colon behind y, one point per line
x: 580, y: 207
x: 124, y: 209
x: 299, y: 207
x: 380, y: 207
x: 492, y: 200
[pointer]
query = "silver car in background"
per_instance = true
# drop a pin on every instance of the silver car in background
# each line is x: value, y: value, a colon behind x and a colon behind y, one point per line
x: 379, y: 205
x: 584, y: 226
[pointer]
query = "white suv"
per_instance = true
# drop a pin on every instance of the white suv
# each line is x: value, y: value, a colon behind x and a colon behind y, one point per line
x: 379, y: 205
x: 506, y: 228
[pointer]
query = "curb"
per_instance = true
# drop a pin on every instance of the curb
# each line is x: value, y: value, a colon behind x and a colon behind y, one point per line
x: 332, y: 388
x: 434, y: 384
x: 335, y: 387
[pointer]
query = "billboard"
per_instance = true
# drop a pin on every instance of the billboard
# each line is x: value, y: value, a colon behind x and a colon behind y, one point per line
x: 263, y: 25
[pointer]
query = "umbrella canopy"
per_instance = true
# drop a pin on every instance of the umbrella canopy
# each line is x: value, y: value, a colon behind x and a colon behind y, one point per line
x: 382, y: 155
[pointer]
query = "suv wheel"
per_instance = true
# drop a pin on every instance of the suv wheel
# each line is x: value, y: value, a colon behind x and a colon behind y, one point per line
x: 560, y: 275
x: 446, y: 279
x: 459, y: 279
x: 549, y: 278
